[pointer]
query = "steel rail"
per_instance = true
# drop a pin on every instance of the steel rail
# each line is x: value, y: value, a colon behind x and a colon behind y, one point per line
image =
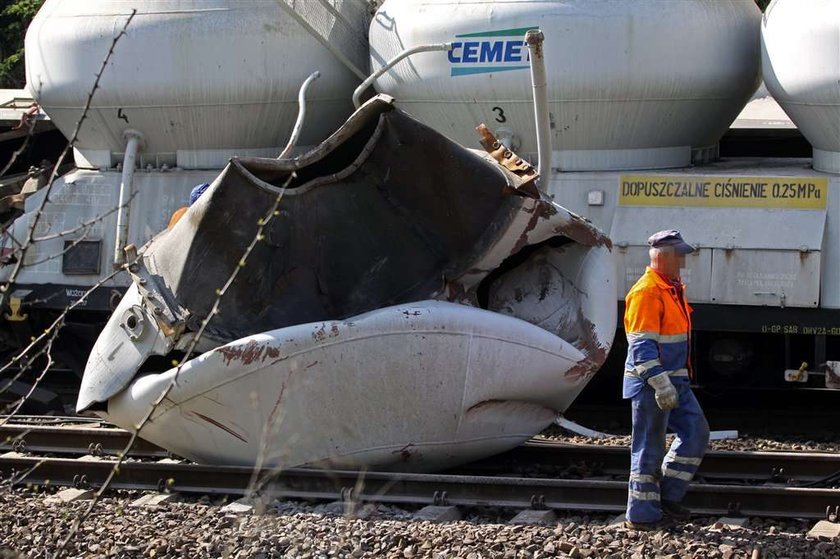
x: 607, y: 460
x: 420, y: 489
x: 716, y: 465
x: 74, y: 440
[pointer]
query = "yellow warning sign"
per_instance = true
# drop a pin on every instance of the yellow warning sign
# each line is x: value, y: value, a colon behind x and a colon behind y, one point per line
x: 718, y: 191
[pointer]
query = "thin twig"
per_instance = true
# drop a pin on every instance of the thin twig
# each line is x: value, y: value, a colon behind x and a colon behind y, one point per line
x: 17, y: 153
x: 52, y: 329
x: 47, y: 365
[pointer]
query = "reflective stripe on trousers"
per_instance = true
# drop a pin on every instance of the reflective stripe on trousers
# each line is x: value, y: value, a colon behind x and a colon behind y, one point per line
x: 652, y: 475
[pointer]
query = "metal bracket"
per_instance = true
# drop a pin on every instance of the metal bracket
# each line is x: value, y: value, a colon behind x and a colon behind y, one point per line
x: 538, y: 502
x: 509, y: 160
x: 733, y: 509
x: 832, y: 515
x: 15, y: 304
x: 19, y: 445
x: 165, y: 485
x: 777, y: 475
x: 440, y: 499
x: 81, y: 481
x: 347, y: 494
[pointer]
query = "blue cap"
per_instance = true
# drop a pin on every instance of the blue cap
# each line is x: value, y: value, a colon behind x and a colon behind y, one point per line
x: 197, y: 191
x: 670, y: 238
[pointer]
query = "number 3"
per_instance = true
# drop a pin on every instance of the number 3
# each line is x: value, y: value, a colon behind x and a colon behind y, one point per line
x: 500, y: 116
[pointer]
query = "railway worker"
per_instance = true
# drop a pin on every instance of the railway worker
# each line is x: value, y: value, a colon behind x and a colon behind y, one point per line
x: 656, y: 378
x: 195, y: 194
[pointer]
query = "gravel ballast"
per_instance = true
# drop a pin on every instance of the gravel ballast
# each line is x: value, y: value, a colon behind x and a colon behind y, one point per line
x: 199, y: 528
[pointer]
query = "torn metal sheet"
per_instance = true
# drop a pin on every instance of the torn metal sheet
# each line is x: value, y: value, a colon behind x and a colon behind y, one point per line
x: 386, y: 218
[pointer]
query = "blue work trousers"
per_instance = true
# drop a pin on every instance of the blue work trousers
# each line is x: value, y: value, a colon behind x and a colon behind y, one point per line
x: 655, y: 475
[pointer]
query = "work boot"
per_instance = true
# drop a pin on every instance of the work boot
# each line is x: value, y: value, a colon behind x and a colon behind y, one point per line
x: 675, y: 510
x: 642, y: 526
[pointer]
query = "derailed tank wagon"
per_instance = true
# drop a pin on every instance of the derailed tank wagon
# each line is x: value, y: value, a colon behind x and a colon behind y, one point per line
x: 640, y: 94
x: 634, y: 132
x: 413, y: 303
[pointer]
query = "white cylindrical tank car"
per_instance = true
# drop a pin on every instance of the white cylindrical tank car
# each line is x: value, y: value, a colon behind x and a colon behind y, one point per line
x: 632, y: 85
x: 640, y: 93
x: 191, y: 76
x: 190, y: 84
x: 800, y: 57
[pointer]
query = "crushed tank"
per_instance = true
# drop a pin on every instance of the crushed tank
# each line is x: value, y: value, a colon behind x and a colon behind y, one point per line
x: 632, y: 85
x: 411, y: 305
x: 800, y: 55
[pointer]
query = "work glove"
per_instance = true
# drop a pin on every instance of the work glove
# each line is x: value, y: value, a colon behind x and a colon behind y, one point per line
x: 666, y: 394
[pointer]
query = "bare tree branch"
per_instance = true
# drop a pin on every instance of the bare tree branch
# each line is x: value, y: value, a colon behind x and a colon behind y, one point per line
x: 220, y: 293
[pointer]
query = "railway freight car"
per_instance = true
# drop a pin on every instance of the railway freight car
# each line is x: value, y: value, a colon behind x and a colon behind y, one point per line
x: 640, y: 94
x: 408, y: 303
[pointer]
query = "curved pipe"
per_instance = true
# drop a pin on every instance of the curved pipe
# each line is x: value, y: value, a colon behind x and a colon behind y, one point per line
x: 534, y: 39
x: 390, y: 64
x: 133, y: 139
x: 301, y: 114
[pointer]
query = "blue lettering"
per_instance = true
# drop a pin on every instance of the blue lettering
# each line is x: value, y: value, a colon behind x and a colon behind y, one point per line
x: 491, y: 52
x: 453, y: 58
x: 513, y: 51
x: 470, y: 51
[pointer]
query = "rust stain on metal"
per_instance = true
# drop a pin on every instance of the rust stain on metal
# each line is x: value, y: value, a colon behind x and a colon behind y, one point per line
x: 581, y: 231
x: 249, y: 353
x: 523, y: 170
x: 271, y: 416
x: 406, y: 452
x: 522, y: 241
x: 221, y: 426
x: 596, y: 354
x: 322, y: 333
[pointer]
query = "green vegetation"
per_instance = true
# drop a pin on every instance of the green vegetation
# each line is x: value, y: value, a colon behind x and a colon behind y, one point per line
x: 15, y: 16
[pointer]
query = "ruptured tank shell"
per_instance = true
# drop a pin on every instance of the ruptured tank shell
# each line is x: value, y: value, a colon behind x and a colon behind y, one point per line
x: 631, y: 85
x: 800, y: 52
x: 189, y: 75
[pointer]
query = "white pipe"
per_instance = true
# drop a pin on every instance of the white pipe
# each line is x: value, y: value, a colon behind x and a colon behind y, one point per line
x: 301, y: 114
x: 133, y: 139
x: 534, y: 39
x: 388, y: 65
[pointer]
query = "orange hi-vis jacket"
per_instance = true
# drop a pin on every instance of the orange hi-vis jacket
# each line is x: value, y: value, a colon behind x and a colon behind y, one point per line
x: 657, y: 321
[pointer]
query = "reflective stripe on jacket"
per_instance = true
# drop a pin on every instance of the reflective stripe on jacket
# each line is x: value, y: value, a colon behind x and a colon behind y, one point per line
x: 657, y: 321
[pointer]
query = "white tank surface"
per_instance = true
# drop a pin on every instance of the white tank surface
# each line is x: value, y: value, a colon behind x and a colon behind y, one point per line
x: 419, y: 387
x: 632, y: 85
x: 800, y: 52
x: 195, y: 77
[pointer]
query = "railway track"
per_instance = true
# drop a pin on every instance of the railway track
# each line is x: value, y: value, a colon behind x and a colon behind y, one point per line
x: 757, y: 484
x: 69, y: 437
